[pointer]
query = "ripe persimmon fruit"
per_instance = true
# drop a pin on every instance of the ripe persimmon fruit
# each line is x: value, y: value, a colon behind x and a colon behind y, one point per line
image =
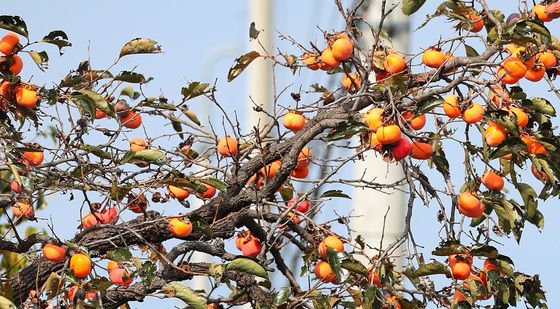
x: 328, y: 59
x: 324, y: 272
x: 433, y: 58
x: 120, y: 276
x: 138, y: 144
x: 373, y: 277
x: 25, y: 96
x: 209, y: 193
x: 293, y: 121
x: 54, y: 253
x: 89, y: 220
x: 112, y: 265
x: 251, y: 246
x: 540, y: 175
x: 178, y: 193
x: 548, y: 59
x: 473, y: 114
x: 505, y: 78
x: 451, y: 106
x: 492, y: 181
x: 351, y: 82
x: 476, y: 22
x: 16, y: 64
x: 331, y: 242
x: 23, y: 210
x: 495, y: 134
x: 539, y: 12
x: 342, y: 48
x: 99, y: 114
x: 131, y: 120
x: 514, y: 67
x: 180, y: 227
x: 521, y: 115
x: 227, y: 146
x: 300, y: 173
x: 394, y: 63
x: 8, y: 42
x: 33, y: 158
x: 417, y: 123
x: 80, y: 264
x: 461, y: 270
x: 304, y: 158
x: 421, y: 151
x: 311, y: 60
x: 533, y: 146
x: 388, y: 134
x: 374, y: 118
x: 470, y: 205
x: 401, y: 149
x: 302, y: 206
x: 374, y: 143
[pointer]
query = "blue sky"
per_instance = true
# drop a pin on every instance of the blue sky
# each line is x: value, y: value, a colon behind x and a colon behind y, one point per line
x: 200, y: 40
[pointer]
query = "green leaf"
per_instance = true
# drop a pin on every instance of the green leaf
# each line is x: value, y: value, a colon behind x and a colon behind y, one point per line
x: 101, y: 283
x: 97, y: 100
x: 216, y: 271
x: 97, y: 151
x: 15, y: 24
x: 335, y: 259
x: 58, y: 38
x: 41, y: 59
x: 280, y: 297
x: 193, y: 90
x: 191, y: 115
x: 487, y: 251
x: 52, y: 285
x: 131, y: 77
x: 428, y: 104
x: 540, y: 105
x: 241, y: 64
x: 355, y: 267
x: 149, y: 155
x: 119, y: 255
x: 409, y: 7
x: 129, y: 92
x: 140, y: 46
x: 74, y: 79
x: 186, y: 294
x: 147, y: 273
x: 247, y: 266
x: 506, y: 215
x: 510, y: 145
x: 216, y: 183
x: 433, y: 268
x: 448, y: 248
x: 334, y: 193
x: 470, y: 51
x: 529, y: 196
x: 346, y: 130
x: 200, y: 224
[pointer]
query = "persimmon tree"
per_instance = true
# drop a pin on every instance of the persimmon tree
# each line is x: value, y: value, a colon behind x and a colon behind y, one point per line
x: 469, y: 87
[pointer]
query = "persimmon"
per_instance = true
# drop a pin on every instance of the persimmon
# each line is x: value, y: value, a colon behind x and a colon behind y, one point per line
x: 328, y: 59
x: 302, y: 206
x: 311, y: 60
x: 16, y: 64
x: 495, y: 134
x: 394, y: 63
x: 373, y: 277
x: 499, y: 95
x: 8, y: 42
x: 473, y: 114
x: 304, y: 158
x: 80, y: 264
x: 539, y: 12
x: 33, y: 158
x: 251, y: 246
x: 227, y: 146
x: 131, y: 120
x: 374, y: 118
x: 16, y: 187
x: 293, y: 121
x: 120, y: 276
x: 351, y: 82
x: 534, y: 147
x: 342, y: 48
x: 492, y: 181
x: 401, y: 149
x: 271, y: 169
x: 293, y: 217
x: 456, y: 258
x: 324, y: 272
x: 540, y: 175
x: 514, y: 67
x: 54, y: 253
x: 521, y: 115
x: 547, y: 59
x: 180, y: 227
x: 300, y: 173
x: 108, y: 215
x: 461, y: 270
x: 89, y: 220
x: 112, y: 265
x: 381, y: 77
x: 418, y: 122
x: 178, y: 193
x: 394, y: 302
x: 487, y: 267
x: 476, y: 22
x: 433, y: 58
x: 470, y: 205
x: 81, y: 295
x: 451, y: 106
x: 421, y: 151
x: 25, y: 96
x: 535, y: 70
x: 374, y: 143
x: 331, y: 242
x: 388, y: 134
x: 459, y: 297
x: 137, y: 203
x: 209, y: 193
x: 138, y: 144
x: 23, y: 210
x: 99, y: 114
x: 505, y: 78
